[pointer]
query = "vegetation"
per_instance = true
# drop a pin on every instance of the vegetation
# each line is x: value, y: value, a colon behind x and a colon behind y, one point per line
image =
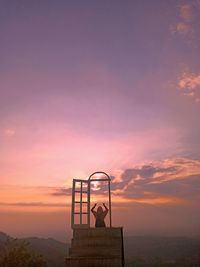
x: 16, y: 254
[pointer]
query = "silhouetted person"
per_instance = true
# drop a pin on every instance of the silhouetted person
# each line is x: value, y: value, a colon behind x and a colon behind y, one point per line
x: 99, y: 215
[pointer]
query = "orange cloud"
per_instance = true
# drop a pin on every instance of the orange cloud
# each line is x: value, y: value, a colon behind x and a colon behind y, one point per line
x: 30, y: 198
x: 149, y: 199
x: 170, y: 181
x: 183, y: 26
x: 159, y: 200
x: 189, y: 83
x: 186, y: 12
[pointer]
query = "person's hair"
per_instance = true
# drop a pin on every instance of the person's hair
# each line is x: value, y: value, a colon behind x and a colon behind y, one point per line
x: 99, y: 209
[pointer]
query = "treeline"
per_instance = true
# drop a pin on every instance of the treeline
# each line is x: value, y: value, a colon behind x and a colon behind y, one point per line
x: 15, y: 253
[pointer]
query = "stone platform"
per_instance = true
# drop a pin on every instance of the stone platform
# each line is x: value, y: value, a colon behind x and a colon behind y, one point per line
x: 96, y: 247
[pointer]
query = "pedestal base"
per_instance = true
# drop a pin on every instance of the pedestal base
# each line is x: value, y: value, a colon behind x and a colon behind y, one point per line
x: 96, y: 247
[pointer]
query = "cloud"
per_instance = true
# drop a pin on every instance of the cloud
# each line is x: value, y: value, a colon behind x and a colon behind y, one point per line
x: 184, y: 25
x: 190, y: 81
x: 32, y: 204
x: 159, y: 182
x: 17, y: 197
x: 61, y: 191
x: 97, y: 188
x: 189, y: 84
x: 167, y: 183
x: 174, y: 180
x: 182, y: 29
x: 188, y: 187
x: 170, y: 181
x: 186, y: 12
x: 9, y: 132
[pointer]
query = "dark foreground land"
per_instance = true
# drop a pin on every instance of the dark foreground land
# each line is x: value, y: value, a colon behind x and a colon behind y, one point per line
x: 139, y: 251
x: 162, y: 251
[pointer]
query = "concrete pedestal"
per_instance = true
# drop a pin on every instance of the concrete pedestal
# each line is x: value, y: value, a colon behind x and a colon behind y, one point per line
x: 96, y: 247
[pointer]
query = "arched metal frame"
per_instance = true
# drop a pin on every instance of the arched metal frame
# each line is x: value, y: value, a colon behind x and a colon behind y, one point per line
x: 108, y: 179
x: 81, y: 191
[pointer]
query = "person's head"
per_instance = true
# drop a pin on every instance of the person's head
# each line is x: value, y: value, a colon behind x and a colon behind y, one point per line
x: 99, y: 209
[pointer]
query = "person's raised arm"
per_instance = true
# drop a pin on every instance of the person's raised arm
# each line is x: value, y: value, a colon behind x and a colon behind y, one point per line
x: 106, y: 211
x: 105, y: 206
x: 92, y: 209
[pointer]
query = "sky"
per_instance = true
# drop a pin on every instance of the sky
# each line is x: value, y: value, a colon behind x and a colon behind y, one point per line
x: 100, y: 85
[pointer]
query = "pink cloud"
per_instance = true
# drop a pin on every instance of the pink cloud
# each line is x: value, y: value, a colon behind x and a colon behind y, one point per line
x: 189, y: 81
x: 184, y: 26
x: 186, y: 12
x: 189, y: 84
x: 9, y: 132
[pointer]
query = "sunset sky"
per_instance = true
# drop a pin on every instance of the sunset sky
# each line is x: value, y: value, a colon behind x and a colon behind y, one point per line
x: 100, y: 85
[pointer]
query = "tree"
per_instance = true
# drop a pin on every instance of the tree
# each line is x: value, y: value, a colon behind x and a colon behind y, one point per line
x: 17, y: 254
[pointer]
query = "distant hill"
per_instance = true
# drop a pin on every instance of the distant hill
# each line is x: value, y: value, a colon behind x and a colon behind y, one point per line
x: 53, y: 251
x: 139, y: 250
x: 4, y: 237
x: 182, y: 250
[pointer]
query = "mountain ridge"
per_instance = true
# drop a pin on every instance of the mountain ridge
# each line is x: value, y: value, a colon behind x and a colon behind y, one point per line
x: 140, y: 249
